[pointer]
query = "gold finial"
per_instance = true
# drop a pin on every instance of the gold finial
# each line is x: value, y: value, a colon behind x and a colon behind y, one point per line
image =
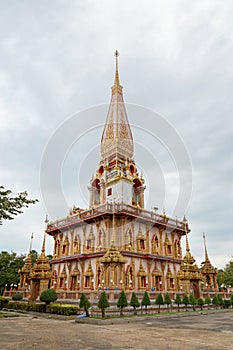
x: 30, y: 249
x: 116, y: 81
x: 206, y: 254
x: 46, y: 219
x: 186, y: 233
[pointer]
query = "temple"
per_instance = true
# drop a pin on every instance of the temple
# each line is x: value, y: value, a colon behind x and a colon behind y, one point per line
x: 116, y: 243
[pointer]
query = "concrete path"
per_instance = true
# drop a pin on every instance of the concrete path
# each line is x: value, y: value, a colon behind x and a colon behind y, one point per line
x: 210, y: 331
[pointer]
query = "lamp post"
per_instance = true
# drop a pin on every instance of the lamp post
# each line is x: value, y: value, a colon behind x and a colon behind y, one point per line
x: 92, y: 284
x: 102, y: 284
x: 78, y: 284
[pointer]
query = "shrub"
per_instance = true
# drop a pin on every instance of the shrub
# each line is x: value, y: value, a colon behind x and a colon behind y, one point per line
x: 146, y: 300
x: 103, y: 303
x: 38, y: 307
x: 84, y: 303
x: 159, y: 301
x: 3, y: 302
x: 227, y: 303
x: 122, y: 302
x: 200, y: 302
x: 207, y: 300
x: 48, y: 296
x: 220, y: 300
x: 63, y: 309
x: 178, y: 301
x: 215, y: 300
x: 186, y: 301
x: 17, y: 296
x: 192, y: 301
x: 134, y: 302
x: 167, y: 300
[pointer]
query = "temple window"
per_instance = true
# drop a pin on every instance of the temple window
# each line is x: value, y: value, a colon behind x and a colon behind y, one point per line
x: 172, y: 283
x: 73, y: 282
x: 88, y: 244
x: 142, y: 244
x: 109, y: 191
x: 61, y: 282
x: 63, y: 249
x: 87, y: 281
x: 143, y: 281
x: 169, y: 249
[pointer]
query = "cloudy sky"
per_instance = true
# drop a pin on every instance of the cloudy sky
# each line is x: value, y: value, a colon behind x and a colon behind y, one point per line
x: 56, y: 70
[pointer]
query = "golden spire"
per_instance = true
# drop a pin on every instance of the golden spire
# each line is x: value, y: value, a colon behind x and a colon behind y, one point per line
x: 186, y: 233
x: 116, y: 81
x: 206, y: 254
x: 43, y: 245
x: 117, y: 139
x: 30, y: 249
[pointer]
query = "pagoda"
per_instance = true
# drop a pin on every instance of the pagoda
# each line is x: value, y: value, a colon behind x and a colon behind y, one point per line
x: 116, y: 243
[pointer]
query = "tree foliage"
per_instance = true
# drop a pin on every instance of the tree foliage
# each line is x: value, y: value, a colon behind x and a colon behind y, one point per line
x: 122, y: 302
x: 178, y: 301
x: 134, y: 302
x: 103, y: 303
x: 84, y: 303
x: 159, y: 301
x: 186, y: 301
x: 145, y: 300
x: 48, y: 296
x: 207, y: 300
x: 167, y: 300
x: 17, y: 296
x: 215, y: 300
x: 10, y: 263
x: 200, y: 302
x: 12, y: 205
x: 192, y: 301
x: 225, y: 276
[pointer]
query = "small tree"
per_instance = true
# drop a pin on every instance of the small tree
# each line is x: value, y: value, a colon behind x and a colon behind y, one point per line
x: 159, y: 301
x: 134, y: 302
x: 103, y: 303
x: 122, y: 302
x: 215, y: 301
x: 220, y: 301
x: 200, y: 302
x: 48, y: 296
x: 145, y: 300
x: 192, y: 301
x: 167, y: 300
x: 186, y: 301
x: 178, y: 301
x: 84, y: 303
x: 207, y: 300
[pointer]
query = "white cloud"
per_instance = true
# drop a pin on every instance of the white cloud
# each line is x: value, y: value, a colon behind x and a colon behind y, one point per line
x: 56, y: 59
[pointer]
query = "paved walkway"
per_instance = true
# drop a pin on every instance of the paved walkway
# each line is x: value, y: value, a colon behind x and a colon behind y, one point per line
x: 210, y: 331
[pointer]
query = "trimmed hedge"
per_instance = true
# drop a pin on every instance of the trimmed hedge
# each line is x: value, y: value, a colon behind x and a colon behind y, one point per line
x: 39, y: 307
x: 62, y: 309
x: 3, y: 302
x: 17, y: 296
